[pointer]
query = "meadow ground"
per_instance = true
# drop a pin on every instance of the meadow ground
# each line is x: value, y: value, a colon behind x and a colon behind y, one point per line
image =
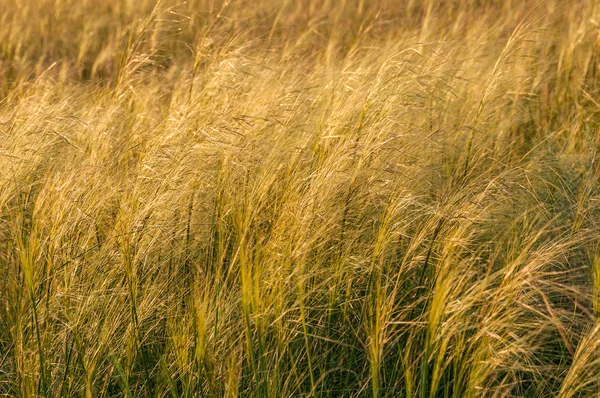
x: 299, y: 198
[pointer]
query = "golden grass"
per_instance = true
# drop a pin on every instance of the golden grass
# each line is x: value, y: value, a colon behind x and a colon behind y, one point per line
x: 276, y: 198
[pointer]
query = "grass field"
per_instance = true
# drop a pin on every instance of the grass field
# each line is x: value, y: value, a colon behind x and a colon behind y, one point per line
x: 299, y: 198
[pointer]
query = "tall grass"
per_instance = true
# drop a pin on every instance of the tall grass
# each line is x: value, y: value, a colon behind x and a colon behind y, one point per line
x: 268, y: 198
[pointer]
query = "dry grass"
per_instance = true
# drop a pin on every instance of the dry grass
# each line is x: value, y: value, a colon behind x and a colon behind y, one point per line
x: 276, y: 198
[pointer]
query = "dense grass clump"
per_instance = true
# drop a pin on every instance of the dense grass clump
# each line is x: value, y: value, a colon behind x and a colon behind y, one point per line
x: 273, y: 198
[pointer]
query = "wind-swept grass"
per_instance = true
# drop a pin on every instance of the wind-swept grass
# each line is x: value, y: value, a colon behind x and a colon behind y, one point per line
x: 309, y: 198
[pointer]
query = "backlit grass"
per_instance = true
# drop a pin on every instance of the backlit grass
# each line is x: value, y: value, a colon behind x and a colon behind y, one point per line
x: 273, y: 198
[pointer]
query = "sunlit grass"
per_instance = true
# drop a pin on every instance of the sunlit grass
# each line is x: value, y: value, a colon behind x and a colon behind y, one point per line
x: 309, y: 198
